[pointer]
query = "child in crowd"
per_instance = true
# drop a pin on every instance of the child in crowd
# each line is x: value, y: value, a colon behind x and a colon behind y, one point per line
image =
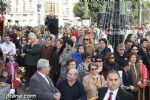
x: 4, y: 77
x: 11, y: 67
x: 4, y: 84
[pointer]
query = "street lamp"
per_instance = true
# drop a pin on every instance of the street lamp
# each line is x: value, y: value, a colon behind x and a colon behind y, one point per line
x: 116, y: 37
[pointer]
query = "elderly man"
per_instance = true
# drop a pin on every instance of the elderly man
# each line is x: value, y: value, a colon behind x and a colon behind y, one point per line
x: 71, y: 88
x: 33, y: 54
x: 71, y: 63
x: 113, y: 92
x: 40, y: 83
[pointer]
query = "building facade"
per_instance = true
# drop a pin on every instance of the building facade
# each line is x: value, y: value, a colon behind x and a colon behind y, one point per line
x: 63, y: 9
x: 34, y: 12
x: 25, y: 12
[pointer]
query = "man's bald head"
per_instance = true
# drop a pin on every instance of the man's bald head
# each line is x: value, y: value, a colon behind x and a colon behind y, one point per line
x: 72, y: 74
x: 73, y: 71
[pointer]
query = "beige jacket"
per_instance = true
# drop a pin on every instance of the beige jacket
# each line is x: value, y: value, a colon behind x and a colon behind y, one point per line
x: 92, y: 83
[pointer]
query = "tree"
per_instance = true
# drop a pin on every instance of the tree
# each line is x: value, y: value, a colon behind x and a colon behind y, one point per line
x: 93, y: 8
x: 78, y: 9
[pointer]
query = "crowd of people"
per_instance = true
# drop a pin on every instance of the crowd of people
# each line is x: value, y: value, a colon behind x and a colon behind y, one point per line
x: 78, y: 63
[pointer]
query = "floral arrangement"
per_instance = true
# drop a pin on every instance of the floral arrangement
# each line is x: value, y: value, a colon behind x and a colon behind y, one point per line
x: 16, y: 82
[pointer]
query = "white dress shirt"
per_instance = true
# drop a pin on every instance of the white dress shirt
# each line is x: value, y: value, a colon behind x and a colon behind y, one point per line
x: 113, y: 95
x: 44, y: 77
x: 6, y: 48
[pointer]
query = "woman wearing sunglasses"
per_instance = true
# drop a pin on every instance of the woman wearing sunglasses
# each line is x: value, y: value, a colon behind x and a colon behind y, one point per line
x: 93, y: 81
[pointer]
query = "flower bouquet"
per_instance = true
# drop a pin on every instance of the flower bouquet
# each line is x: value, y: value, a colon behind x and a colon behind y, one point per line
x: 16, y: 82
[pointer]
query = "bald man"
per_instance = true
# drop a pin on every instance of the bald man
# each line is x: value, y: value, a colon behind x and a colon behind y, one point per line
x: 71, y: 88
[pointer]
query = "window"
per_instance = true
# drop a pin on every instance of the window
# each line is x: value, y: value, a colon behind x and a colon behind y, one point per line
x: 66, y: 12
x: 17, y: 3
x: 51, y: 8
x: 24, y: 5
x: 66, y: 1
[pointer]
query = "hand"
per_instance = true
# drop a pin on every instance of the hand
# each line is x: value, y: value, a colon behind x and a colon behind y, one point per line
x: 23, y: 54
x: 10, y: 51
x: 131, y: 88
x: 139, y: 83
x: 57, y: 96
x: 60, y: 61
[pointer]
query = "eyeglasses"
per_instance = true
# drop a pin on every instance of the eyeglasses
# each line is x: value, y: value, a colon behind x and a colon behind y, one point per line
x: 122, y: 49
x: 112, y: 57
x: 89, y: 57
x: 85, y: 39
x: 94, y: 68
x: 134, y: 49
x: 23, y: 39
x: 98, y: 60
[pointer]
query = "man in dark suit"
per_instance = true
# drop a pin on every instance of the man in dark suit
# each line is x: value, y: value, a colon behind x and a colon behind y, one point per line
x: 41, y: 85
x: 113, y: 92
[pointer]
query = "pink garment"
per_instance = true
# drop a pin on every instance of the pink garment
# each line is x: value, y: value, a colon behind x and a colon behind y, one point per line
x: 8, y: 67
x: 144, y: 75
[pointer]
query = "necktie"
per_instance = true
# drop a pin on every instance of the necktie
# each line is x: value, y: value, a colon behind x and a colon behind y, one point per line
x: 110, y: 96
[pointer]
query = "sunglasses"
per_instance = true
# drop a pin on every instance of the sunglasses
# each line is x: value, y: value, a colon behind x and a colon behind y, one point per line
x: 98, y: 61
x: 86, y: 39
x: 94, y: 68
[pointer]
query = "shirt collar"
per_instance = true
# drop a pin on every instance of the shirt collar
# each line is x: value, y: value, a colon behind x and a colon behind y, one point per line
x: 114, y: 92
x: 41, y: 74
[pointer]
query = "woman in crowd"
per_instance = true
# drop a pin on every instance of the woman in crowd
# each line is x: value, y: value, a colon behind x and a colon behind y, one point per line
x: 93, y: 81
x: 109, y: 63
x: 77, y: 56
x: 54, y: 60
x: 134, y: 49
x: 144, y: 75
x: 83, y: 67
x: 135, y: 74
x: 98, y: 61
x: 131, y: 37
x: 102, y: 49
x: 88, y: 45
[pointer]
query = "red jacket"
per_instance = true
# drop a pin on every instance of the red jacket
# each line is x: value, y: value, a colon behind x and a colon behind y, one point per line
x: 74, y: 34
x: 144, y: 75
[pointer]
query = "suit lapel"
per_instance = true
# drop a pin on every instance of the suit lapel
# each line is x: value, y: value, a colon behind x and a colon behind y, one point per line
x: 103, y: 93
x: 51, y: 83
x: 44, y: 81
x: 118, y: 96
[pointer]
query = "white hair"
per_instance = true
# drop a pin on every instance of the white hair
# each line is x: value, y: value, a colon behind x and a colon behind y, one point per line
x: 32, y: 35
x: 42, y: 63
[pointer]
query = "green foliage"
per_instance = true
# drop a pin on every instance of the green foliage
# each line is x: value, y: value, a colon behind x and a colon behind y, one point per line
x: 93, y: 8
x: 78, y: 9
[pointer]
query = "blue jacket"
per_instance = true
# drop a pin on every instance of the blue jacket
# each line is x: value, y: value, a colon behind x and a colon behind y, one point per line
x: 77, y: 57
